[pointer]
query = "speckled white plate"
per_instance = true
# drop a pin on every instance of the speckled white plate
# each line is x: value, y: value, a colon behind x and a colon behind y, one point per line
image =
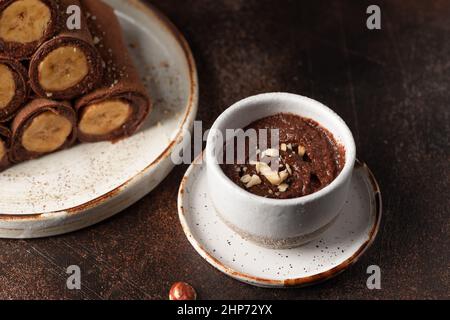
x: 78, y: 187
x: 334, y: 251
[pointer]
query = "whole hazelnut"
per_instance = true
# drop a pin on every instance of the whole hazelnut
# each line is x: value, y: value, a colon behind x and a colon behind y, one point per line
x: 182, y: 291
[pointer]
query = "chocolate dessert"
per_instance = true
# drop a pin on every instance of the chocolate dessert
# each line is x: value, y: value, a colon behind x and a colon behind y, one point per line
x: 42, y: 127
x: 14, y: 87
x: 80, y: 82
x: 68, y: 65
x: 120, y: 105
x: 25, y: 25
x: 307, y: 159
x: 5, y: 137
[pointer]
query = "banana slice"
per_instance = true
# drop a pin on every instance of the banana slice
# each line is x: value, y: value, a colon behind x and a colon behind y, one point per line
x: 7, y: 86
x: 24, y: 21
x: 2, y: 150
x: 46, y: 133
x: 105, y: 117
x: 63, y: 68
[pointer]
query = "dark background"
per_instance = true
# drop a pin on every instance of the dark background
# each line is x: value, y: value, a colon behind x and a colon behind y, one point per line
x: 391, y: 86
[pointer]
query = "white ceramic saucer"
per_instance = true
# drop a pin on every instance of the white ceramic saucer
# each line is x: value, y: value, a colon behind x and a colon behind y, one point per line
x: 334, y: 251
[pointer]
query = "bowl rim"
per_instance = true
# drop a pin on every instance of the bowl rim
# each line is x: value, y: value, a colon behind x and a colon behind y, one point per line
x: 349, y: 146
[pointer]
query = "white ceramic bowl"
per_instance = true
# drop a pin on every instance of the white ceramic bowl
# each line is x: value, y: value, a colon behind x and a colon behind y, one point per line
x: 277, y: 223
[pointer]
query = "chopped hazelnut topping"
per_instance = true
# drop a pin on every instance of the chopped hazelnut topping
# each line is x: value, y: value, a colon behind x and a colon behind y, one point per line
x: 304, y: 160
x: 301, y: 151
x: 246, y: 178
x: 283, y: 187
x: 258, y: 166
x: 270, y: 153
x: 254, y: 180
x: 304, y: 188
x: 284, y: 175
x: 288, y: 168
x: 274, y: 177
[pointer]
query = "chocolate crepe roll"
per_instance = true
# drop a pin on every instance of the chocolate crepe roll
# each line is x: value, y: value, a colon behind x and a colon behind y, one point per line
x: 42, y: 127
x: 25, y: 25
x: 5, y: 136
x: 68, y: 65
x: 13, y: 87
x: 120, y: 106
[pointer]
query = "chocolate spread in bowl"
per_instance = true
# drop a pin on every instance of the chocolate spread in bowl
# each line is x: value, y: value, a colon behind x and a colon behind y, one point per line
x: 308, y: 159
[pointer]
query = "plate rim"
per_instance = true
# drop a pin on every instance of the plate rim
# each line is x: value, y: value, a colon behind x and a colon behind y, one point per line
x: 292, y: 282
x: 190, y: 114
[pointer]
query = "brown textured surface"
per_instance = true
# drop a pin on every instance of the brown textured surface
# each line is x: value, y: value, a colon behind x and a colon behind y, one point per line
x: 391, y: 86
